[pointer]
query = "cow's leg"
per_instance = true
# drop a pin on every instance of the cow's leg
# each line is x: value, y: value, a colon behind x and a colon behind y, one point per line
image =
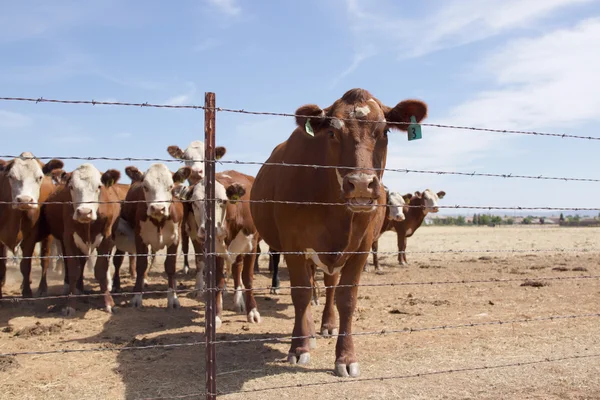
x: 375, y: 249
x: 274, y: 267
x: 238, y: 297
x: 185, y: 245
x: 316, y: 292
x: 141, y: 265
x: 220, y: 278
x: 248, y: 278
x: 346, y: 293
x: 118, y: 258
x: 402, y: 249
x: 3, y: 253
x: 256, y: 270
x: 170, y: 269
x: 27, y: 247
x: 329, y: 324
x: 45, y: 253
x: 301, y: 293
x: 66, y: 275
x: 74, y: 266
x: 200, y: 264
x: 102, y: 272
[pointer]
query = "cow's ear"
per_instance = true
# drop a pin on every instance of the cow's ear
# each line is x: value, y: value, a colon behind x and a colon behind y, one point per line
x: 310, y: 118
x: 220, y: 152
x: 235, y: 192
x: 51, y: 166
x: 2, y: 165
x: 402, y: 113
x: 441, y: 194
x: 60, y: 177
x: 134, y: 174
x: 182, y: 174
x: 175, y: 152
x: 407, y: 197
x: 110, y: 177
x: 183, y: 192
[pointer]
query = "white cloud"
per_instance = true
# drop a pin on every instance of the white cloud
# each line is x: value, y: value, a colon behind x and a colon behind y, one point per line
x: 13, y: 120
x: 228, y: 7
x: 185, y: 98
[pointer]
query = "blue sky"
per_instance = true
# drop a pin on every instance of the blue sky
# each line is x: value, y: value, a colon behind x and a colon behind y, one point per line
x: 509, y: 64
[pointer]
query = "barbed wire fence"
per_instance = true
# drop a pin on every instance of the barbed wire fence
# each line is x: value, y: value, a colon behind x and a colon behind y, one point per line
x: 210, y: 254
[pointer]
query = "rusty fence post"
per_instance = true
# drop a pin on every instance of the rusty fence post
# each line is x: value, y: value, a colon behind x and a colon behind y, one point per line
x: 210, y: 259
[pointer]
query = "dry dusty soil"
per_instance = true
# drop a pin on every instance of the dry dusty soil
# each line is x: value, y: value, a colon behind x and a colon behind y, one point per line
x: 414, y: 359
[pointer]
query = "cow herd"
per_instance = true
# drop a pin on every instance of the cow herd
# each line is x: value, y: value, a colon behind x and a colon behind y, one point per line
x: 349, y: 208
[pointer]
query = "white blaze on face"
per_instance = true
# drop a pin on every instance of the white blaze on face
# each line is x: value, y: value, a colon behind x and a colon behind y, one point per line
x: 85, y: 185
x: 199, y: 206
x: 430, y: 202
x: 396, y: 202
x: 158, y: 184
x: 25, y: 177
x: 194, y: 158
x: 337, y: 123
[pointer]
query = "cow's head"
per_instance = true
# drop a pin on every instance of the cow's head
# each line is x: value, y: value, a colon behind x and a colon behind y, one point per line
x: 194, y: 158
x: 25, y: 174
x: 158, y: 183
x: 85, y: 185
x: 396, y: 203
x: 428, y: 200
x: 354, y: 133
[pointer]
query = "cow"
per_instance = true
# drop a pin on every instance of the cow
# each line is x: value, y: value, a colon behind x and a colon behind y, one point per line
x: 25, y: 182
x: 350, y: 137
x: 155, y: 215
x: 227, y: 226
x: 394, y: 214
x: 81, y: 213
x: 193, y: 157
x: 419, y: 206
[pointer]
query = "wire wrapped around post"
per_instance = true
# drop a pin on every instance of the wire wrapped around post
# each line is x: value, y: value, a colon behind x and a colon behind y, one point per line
x: 210, y: 259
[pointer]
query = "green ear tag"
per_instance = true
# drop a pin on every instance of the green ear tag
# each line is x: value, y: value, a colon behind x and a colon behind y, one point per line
x: 308, y: 127
x: 414, y: 130
x: 234, y: 198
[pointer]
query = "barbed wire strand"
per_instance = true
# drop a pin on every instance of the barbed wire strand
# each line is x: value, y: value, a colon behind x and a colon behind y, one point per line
x: 382, y: 332
x: 314, y: 166
x: 279, y: 114
x: 263, y: 289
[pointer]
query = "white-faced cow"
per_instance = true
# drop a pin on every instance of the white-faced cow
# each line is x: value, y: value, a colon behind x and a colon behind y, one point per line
x: 394, y: 214
x: 155, y: 215
x: 25, y: 182
x: 193, y: 157
x: 81, y: 213
x: 352, y: 135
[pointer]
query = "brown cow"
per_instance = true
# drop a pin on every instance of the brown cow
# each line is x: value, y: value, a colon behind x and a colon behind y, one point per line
x: 24, y: 184
x: 351, y: 134
x: 193, y: 156
x: 155, y: 218
x: 394, y: 213
x: 231, y: 220
x: 81, y: 214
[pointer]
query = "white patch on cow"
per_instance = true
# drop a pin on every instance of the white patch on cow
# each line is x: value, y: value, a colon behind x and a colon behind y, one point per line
x: 337, y: 123
x: 137, y: 300
x: 395, y: 205
x: 157, y: 238
x: 87, y: 248
x: 199, y: 206
x: 172, y: 300
x: 158, y: 183
x: 193, y: 157
x: 241, y: 244
x: 254, y: 316
x: 310, y: 254
x: 218, y: 322
x: 361, y: 112
x: 200, y: 279
x: 226, y: 176
x: 340, y: 179
x: 25, y: 177
x: 85, y: 189
x: 431, y: 202
x: 238, y: 300
x: 409, y: 232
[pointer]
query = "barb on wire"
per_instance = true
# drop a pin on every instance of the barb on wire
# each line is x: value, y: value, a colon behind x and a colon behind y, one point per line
x: 262, y: 289
x: 320, y: 166
x: 282, y: 339
x: 279, y: 114
x: 404, y: 376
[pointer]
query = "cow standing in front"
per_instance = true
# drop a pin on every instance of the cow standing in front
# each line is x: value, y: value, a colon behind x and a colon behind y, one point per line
x: 352, y: 135
x: 155, y: 215
x: 25, y: 182
x: 81, y: 213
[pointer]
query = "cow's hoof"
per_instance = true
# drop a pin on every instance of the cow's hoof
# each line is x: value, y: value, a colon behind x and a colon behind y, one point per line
x: 136, y: 302
x: 254, y: 316
x: 68, y: 312
x: 315, y: 302
x: 347, y: 371
x: 218, y: 322
x: 239, y: 305
x: 186, y: 269
x: 329, y: 331
x: 312, y: 343
x: 173, y: 301
x: 274, y: 290
x: 303, y: 359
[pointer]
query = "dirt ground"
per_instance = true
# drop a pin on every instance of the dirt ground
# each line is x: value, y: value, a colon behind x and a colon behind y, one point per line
x: 407, y: 358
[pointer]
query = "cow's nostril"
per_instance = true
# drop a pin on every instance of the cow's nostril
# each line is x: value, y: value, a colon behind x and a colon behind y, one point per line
x: 372, y: 185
